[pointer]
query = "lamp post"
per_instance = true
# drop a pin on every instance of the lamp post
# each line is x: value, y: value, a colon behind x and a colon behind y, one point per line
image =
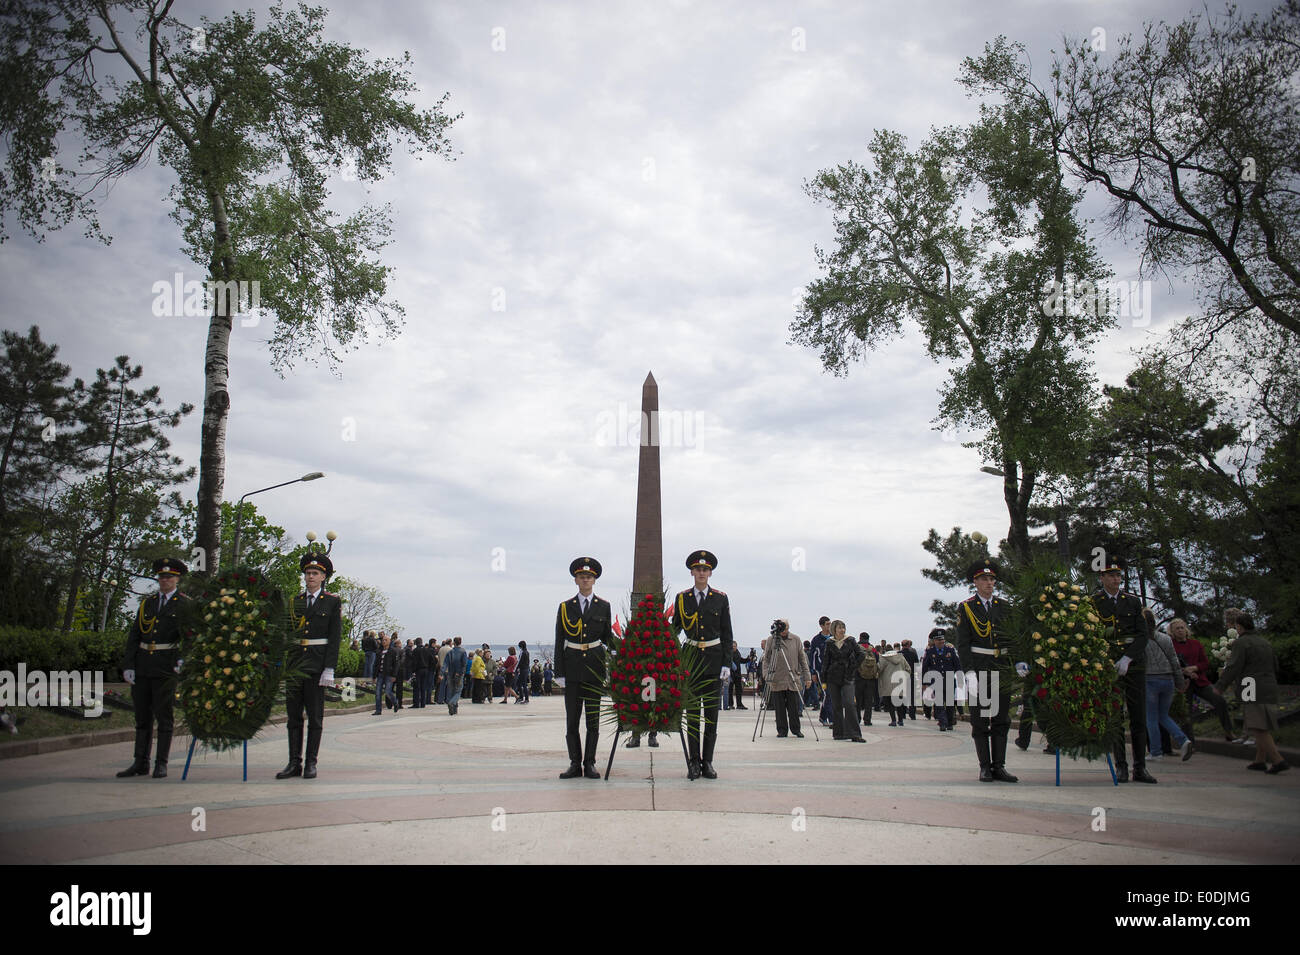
x: 239, y: 508
x: 1062, y: 517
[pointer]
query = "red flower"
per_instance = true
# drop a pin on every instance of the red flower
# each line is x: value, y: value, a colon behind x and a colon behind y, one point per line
x: 1042, y: 694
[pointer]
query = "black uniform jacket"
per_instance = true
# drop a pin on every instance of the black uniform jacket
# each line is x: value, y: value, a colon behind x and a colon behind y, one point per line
x: 711, y: 621
x: 151, y: 628
x: 1124, y: 613
x: 968, y: 639
x: 595, y: 629
x: 325, y: 621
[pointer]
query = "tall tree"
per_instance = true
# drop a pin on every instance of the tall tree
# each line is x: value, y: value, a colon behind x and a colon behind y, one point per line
x: 1194, y: 132
x: 250, y: 121
x: 124, y: 433
x: 967, y: 236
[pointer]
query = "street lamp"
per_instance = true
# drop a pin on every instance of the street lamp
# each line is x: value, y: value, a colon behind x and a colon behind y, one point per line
x: 239, y: 508
x: 1062, y: 516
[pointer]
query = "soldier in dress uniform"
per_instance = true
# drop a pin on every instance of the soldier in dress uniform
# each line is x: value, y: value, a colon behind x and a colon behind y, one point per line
x: 703, y: 614
x: 984, y: 647
x: 313, y: 652
x: 1122, y: 611
x: 150, y: 663
x: 583, y: 629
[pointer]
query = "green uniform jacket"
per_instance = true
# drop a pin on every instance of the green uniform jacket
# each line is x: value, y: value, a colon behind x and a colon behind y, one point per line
x: 325, y: 622
x: 150, y: 628
x: 595, y: 629
x: 712, y: 621
x: 998, y: 639
x: 1124, y: 613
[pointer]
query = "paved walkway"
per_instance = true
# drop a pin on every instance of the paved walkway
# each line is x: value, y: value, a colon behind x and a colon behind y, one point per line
x: 420, y: 786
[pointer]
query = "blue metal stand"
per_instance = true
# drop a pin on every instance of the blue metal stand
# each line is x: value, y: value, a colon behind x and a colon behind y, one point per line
x: 1113, y: 778
x: 190, y: 755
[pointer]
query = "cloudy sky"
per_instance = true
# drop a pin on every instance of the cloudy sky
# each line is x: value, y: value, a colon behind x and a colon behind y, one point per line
x: 626, y: 197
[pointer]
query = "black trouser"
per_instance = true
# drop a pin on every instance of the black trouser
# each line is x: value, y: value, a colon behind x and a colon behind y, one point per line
x: 990, y: 731
x: 844, y: 711
x: 866, y: 697
x: 153, y: 698
x: 710, y: 730
x: 1214, y: 699
x: 1134, y: 684
x: 1026, y: 732
x: 524, y: 686
x: 299, y: 695
x: 786, y: 704
x: 417, y: 694
x: 576, y: 697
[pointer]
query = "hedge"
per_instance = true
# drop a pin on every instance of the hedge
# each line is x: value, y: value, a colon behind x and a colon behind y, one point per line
x: 57, y: 650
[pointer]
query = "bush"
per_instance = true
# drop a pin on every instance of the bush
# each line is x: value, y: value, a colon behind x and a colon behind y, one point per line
x: 351, y: 663
x: 1287, y: 649
x: 56, y: 650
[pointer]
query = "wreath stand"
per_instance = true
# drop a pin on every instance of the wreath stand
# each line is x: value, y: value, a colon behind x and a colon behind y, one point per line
x: 190, y: 755
x: 1114, y: 777
x: 679, y: 733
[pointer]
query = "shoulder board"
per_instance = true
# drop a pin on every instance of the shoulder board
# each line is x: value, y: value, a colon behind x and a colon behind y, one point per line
x: 183, y: 596
x: 683, y: 593
x: 328, y: 593
x: 720, y: 593
x: 598, y: 600
x: 973, y: 600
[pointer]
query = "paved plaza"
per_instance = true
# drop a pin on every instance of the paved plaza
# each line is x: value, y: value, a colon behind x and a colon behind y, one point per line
x: 422, y: 787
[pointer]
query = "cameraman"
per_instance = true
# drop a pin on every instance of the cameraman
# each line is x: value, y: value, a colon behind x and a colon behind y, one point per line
x: 786, y: 672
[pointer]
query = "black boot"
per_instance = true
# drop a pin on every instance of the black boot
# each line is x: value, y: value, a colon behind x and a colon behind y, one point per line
x: 999, y: 753
x: 654, y: 740
x: 1121, y: 772
x: 160, y: 769
x: 707, y: 771
x: 634, y: 742
x: 293, y: 769
x: 590, y: 771
x: 573, y: 772
x: 1140, y: 774
x: 692, y: 769
x: 309, y: 769
x: 986, y: 760
x: 137, y: 768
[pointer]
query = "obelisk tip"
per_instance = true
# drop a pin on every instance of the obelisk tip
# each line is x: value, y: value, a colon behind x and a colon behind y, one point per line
x: 650, y: 379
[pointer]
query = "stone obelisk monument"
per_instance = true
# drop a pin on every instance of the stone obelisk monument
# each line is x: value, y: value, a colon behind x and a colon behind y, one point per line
x: 648, y: 551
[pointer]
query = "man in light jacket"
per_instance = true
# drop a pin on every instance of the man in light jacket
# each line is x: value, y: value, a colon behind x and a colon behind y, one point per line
x: 786, y: 672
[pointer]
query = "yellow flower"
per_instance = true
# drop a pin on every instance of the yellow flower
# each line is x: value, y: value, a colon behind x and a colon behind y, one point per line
x: 1041, y: 661
x: 226, y: 671
x: 1038, y: 647
x: 1069, y: 624
x: 208, y: 658
x: 207, y: 705
x: 1076, y: 588
x: 1052, y: 641
x: 1084, y: 662
x: 245, y: 643
x: 1060, y: 596
x: 1060, y: 583
x: 230, y: 702
x: 1096, y: 666
x: 1065, y: 666
x: 1043, y: 597
x: 235, y: 658
x: 208, y: 617
x: 230, y: 686
x: 1041, y: 617
x: 1037, y: 636
x: 252, y: 656
x: 1092, y: 618
x: 1053, y: 654
x: 240, y: 695
x: 194, y: 693
x: 221, y: 653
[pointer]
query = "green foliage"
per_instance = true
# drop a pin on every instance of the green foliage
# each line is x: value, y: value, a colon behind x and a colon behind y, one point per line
x: 351, y: 663
x: 1287, y: 648
x: 58, y: 650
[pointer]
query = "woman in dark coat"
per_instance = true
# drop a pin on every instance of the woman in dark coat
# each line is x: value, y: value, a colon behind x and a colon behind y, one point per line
x: 840, y: 660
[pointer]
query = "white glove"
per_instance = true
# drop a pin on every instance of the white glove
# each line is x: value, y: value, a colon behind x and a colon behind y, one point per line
x: 1122, y: 665
x: 972, y: 687
x: 1022, y: 669
x: 129, y: 676
x: 177, y: 667
x: 327, y: 677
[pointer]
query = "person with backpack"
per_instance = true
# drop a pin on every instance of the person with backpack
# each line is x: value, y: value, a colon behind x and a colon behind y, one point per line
x: 868, y: 672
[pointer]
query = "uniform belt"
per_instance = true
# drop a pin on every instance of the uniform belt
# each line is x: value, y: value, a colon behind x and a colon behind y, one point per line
x: 704, y: 643
x: 986, y: 651
x: 151, y: 647
x: 313, y: 643
x: 582, y: 646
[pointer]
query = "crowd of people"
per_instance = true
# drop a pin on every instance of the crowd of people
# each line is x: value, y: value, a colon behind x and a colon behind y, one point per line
x: 441, y: 673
